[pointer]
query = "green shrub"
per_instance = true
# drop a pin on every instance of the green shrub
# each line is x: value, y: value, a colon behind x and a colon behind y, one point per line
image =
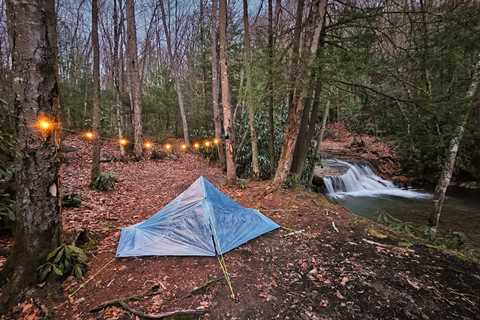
x: 63, y: 261
x: 71, y: 200
x: 7, y: 211
x: 7, y: 198
x: 104, y: 182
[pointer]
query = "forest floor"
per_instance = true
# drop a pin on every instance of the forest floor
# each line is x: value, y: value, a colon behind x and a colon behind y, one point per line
x: 332, y: 268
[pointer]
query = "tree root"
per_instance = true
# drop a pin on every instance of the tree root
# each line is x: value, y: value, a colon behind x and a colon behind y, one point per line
x: 163, y: 315
x: 117, y: 301
x: 202, y: 287
x: 122, y: 302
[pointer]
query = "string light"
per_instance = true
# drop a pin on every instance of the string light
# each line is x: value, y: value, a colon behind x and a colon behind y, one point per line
x: 184, y: 147
x: 196, y: 145
x: 216, y: 141
x: 207, y: 144
x: 123, y: 142
x: 44, y: 124
x: 168, y: 146
x: 89, y: 135
x: 148, y: 145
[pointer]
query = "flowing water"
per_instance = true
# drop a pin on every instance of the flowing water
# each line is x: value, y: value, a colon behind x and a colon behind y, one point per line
x: 366, y: 194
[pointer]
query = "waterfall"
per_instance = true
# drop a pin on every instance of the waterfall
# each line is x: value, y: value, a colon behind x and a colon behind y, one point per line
x: 360, y: 180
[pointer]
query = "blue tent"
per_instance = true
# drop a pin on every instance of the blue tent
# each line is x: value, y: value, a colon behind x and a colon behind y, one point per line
x: 202, y: 221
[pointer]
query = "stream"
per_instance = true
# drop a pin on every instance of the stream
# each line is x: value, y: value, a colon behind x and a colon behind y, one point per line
x: 364, y: 193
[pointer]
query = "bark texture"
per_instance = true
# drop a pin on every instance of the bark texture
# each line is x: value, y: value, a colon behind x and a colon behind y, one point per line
x: 134, y: 80
x: 226, y: 100
x: 320, y: 135
x: 95, y: 172
x: 38, y: 225
x: 217, y: 117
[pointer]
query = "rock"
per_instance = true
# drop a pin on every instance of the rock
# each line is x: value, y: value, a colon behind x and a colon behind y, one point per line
x: 470, y: 185
x: 401, y: 181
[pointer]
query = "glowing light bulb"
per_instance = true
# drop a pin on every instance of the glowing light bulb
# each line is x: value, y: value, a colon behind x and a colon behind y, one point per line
x: 89, y: 135
x: 207, y: 144
x: 168, y: 146
x: 148, y: 145
x: 196, y: 145
x: 216, y: 141
x: 184, y: 147
x: 44, y: 124
x: 123, y: 142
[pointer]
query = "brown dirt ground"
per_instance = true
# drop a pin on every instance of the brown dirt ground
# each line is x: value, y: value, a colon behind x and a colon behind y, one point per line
x: 315, y: 274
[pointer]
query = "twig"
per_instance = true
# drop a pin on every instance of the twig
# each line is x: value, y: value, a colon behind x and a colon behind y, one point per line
x: 334, y: 226
x: 293, y: 233
x: 163, y: 315
x: 387, y: 245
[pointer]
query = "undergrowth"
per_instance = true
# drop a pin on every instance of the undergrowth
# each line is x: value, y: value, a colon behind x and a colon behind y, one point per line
x: 104, y: 182
x: 64, y: 261
x: 453, y: 243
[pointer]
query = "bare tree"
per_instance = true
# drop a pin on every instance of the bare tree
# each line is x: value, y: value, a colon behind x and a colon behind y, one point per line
x: 473, y: 94
x: 299, y: 71
x: 33, y: 35
x: 176, y: 74
x: 217, y: 120
x: 95, y: 172
x: 117, y: 31
x: 248, y: 91
x: 134, y: 80
x: 270, y: 87
x: 295, y: 107
x: 226, y: 100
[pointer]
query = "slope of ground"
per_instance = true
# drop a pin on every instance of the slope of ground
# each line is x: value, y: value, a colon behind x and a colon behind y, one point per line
x: 327, y: 269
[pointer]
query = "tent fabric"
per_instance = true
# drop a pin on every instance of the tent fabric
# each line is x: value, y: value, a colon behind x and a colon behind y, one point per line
x: 202, y: 221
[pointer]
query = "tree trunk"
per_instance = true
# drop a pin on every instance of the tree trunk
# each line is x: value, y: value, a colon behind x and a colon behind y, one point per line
x: 226, y: 101
x: 473, y: 94
x: 318, y: 148
x: 295, y: 106
x: 181, y: 105
x: 248, y: 93
x: 38, y: 219
x: 116, y: 74
x: 271, y: 142
x: 95, y: 172
x: 217, y: 120
x: 301, y: 147
x: 311, y: 44
x: 309, y: 121
x: 132, y: 67
x: 176, y: 76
